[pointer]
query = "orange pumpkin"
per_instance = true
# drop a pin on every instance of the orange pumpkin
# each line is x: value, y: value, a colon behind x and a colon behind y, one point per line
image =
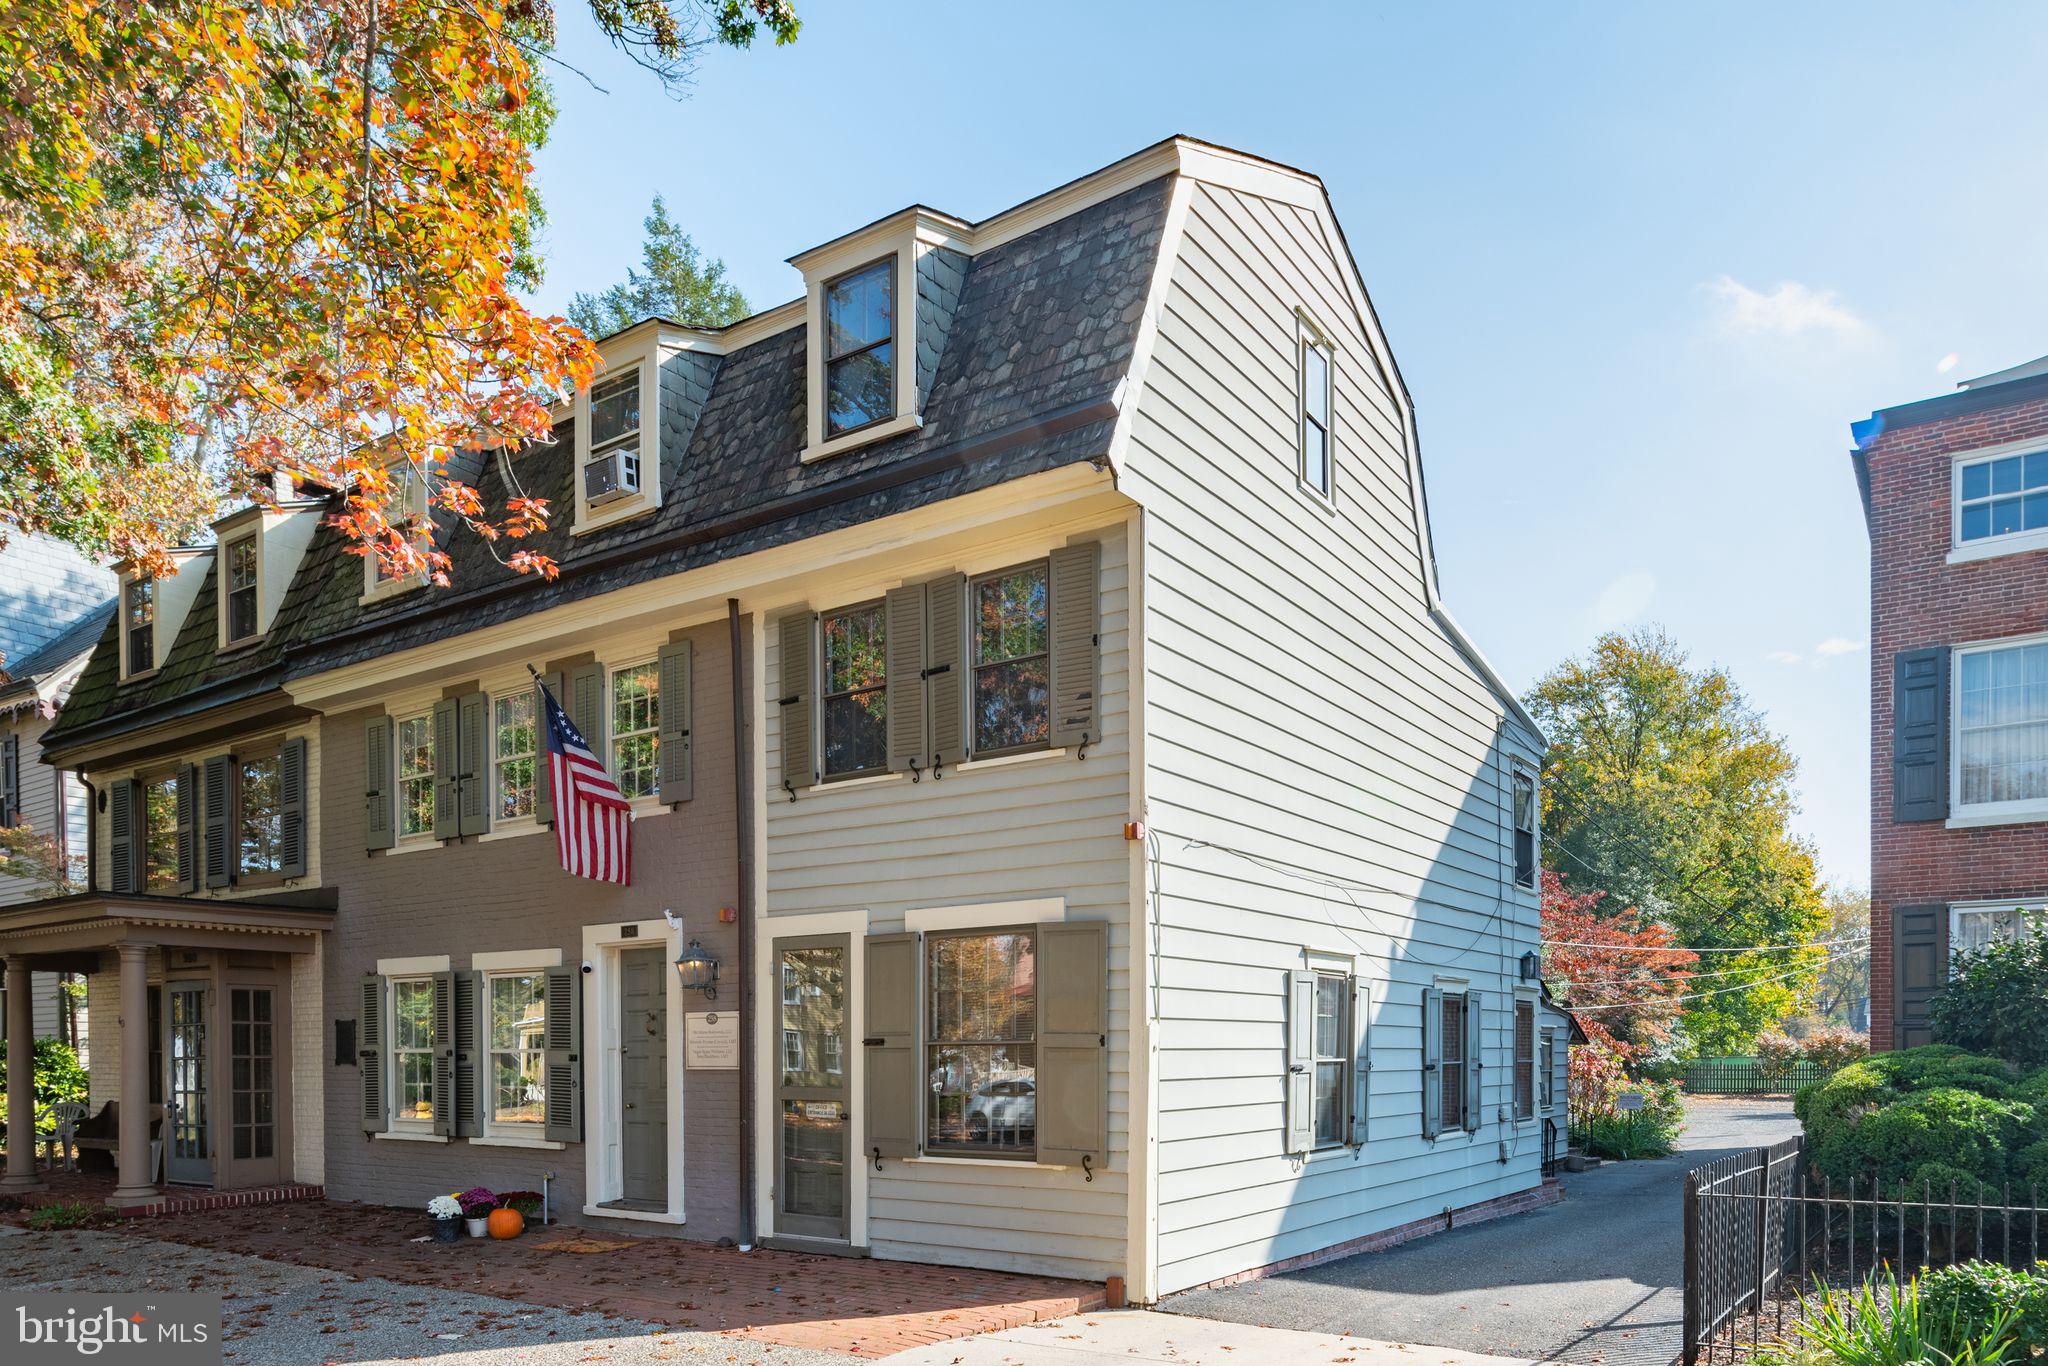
x: 506, y: 1223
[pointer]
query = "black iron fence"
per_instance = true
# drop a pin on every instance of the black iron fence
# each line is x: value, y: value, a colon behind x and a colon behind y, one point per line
x: 1744, y: 1076
x: 1761, y: 1230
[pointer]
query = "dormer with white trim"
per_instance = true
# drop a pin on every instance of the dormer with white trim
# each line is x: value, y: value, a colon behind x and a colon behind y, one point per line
x: 256, y: 552
x: 635, y: 418
x: 150, y: 612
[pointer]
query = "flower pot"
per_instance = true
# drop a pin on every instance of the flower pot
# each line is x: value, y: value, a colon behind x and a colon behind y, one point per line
x: 476, y: 1227
x: 447, y: 1230
x: 507, y: 1223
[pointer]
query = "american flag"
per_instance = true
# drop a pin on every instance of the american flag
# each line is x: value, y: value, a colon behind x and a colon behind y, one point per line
x: 593, y: 821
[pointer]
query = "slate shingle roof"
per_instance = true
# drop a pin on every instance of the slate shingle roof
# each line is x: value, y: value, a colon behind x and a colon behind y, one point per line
x: 1042, y: 332
x: 55, y: 654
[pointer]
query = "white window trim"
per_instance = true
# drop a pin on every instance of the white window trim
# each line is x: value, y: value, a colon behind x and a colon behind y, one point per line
x: 254, y: 537
x: 1963, y: 817
x: 1051, y: 910
x: 419, y: 839
x: 1308, y: 332
x: 394, y: 1074
x: 377, y: 589
x: 512, y: 963
x: 645, y: 358
x: 1987, y: 547
x: 652, y: 800
x: 539, y: 757
x: 156, y: 642
x: 1534, y: 1000
x: 1958, y: 909
x: 1347, y: 1035
x: 1519, y: 767
x: 853, y: 257
x: 603, y: 1166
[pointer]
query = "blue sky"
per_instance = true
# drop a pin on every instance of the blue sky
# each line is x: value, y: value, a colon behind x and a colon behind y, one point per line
x: 1641, y: 267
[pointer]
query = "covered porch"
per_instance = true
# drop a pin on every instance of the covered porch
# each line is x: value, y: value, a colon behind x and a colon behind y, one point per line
x: 195, y: 1049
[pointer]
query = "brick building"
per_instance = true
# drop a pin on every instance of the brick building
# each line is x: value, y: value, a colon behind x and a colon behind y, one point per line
x: 1955, y: 492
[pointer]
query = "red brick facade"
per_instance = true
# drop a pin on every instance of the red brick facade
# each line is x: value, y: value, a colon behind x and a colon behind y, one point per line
x: 1918, y: 599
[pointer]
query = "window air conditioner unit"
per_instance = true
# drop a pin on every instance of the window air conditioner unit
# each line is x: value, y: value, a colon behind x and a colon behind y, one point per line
x: 612, y: 476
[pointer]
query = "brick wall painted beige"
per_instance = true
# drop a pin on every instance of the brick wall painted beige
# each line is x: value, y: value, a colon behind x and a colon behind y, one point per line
x: 510, y: 894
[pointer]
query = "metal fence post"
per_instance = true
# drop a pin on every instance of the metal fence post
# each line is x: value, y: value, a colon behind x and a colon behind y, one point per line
x: 1694, y: 1269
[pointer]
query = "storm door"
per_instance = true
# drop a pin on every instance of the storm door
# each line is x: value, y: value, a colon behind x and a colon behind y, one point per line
x: 812, y: 1088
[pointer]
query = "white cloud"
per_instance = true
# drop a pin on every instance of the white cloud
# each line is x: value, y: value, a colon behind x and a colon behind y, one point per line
x: 1790, y: 310
x: 1947, y: 363
x: 1837, y: 645
x: 1785, y: 657
x: 1623, y: 600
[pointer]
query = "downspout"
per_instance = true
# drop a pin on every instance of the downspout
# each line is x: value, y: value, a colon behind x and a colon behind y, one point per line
x: 92, y: 832
x: 743, y: 827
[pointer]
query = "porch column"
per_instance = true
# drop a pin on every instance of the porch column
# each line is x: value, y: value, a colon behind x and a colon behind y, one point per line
x: 135, y: 1184
x: 21, y: 1087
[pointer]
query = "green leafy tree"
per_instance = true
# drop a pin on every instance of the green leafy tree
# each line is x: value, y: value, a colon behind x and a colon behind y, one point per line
x: 1996, y: 1000
x: 1665, y: 788
x: 676, y: 282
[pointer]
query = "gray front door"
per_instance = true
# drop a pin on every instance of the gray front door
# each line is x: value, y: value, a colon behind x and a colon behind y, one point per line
x: 643, y: 1076
x: 188, y: 1155
x: 811, y: 1090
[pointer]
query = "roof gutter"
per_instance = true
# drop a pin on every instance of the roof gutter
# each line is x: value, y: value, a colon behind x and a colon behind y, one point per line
x: 1484, y: 666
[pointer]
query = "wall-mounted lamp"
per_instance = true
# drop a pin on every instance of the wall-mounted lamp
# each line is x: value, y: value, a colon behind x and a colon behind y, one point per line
x: 698, y: 970
x: 1532, y: 966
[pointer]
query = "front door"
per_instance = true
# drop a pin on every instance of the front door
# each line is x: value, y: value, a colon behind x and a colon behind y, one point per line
x: 253, y: 1151
x: 188, y: 1154
x: 811, y: 1095
x: 643, y: 1078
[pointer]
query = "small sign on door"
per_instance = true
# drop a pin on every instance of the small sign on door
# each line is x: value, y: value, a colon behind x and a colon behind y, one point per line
x: 711, y: 1040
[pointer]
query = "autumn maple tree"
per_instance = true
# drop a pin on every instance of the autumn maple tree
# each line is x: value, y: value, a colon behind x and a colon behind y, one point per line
x: 1623, y: 976
x: 248, y: 236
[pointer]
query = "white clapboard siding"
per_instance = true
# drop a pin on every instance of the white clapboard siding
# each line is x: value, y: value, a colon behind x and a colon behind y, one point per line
x: 39, y: 782
x: 1303, y: 706
x: 1011, y: 831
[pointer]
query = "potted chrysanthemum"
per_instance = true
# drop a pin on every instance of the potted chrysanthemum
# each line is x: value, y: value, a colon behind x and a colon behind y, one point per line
x: 477, y: 1204
x: 445, y: 1211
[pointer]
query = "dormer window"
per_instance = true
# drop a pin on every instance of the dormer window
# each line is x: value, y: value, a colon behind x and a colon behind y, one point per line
x: 860, y: 350
x: 138, y: 624
x: 611, y: 472
x: 239, y: 566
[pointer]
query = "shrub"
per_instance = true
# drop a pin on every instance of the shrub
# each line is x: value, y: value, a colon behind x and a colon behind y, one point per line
x: 1776, y: 1052
x: 1924, y: 1117
x: 526, y: 1202
x: 1881, y: 1322
x: 1974, y: 1293
x: 58, y: 1078
x: 1834, y: 1047
x: 1996, y: 999
x: 70, y: 1214
x: 1625, y: 1135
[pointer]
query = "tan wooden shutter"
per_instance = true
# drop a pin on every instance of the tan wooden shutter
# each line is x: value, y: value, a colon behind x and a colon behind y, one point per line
x: 1361, y: 1061
x: 1919, y: 969
x: 903, y: 627
x: 1432, y: 1062
x: 124, y: 841
x: 946, y: 669
x: 291, y: 783
x: 444, y: 1053
x: 543, y: 774
x: 370, y: 1054
x: 473, y: 763
x: 1072, y: 1082
x: 1301, y: 1061
x: 1475, y: 1060
x: 380, y: 781
x: 796, y: 673
x: 677, y: 665
x: 469, y: 1100
x: 587, y: 710
x: 562, y: 1066
x: 188, y: 828
x: 447, y: 771
x: 891, y: 1107
x: 219, y: 789
x: 1076, y: 624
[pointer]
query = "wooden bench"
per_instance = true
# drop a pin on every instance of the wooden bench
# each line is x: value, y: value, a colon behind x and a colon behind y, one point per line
x: 98, y: 1139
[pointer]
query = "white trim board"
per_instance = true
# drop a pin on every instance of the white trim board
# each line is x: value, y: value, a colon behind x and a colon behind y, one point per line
x: 603, y: 1163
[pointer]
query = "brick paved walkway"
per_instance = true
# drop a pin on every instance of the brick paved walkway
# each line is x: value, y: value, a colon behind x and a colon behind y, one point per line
x: 842, y: 1304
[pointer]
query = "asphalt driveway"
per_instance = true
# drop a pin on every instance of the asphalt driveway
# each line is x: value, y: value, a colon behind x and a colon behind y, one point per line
x: 1594, y: 1279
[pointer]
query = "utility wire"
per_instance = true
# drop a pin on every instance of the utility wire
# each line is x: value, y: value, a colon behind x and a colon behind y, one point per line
x: 1681, y: 948
x: 1716, y: 991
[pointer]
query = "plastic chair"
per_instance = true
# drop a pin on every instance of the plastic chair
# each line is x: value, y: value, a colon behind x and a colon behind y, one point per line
x: 62, y: 1151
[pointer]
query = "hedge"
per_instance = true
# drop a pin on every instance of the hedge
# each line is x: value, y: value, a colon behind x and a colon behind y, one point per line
x: 1935, y: 1117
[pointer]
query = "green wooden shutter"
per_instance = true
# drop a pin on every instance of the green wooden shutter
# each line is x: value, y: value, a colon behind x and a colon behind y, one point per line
x: 562, y: 1066
x: 903, y: 626
x: 586, y: 707
x: 188, y: 828
x: 945, y: 669
x: 473, y: 763
x: 1301, y: 1061
x: 1361, y: 1061
x: 1072, y: 1084
x: 1076, y: 624
x: 444, y: 1053
x: 218, y: 787
x: 124, y: 841
x: 1919, y: 969
x: 1920, y: 735
x: 892, y: 1110
x: 1432, y: 1062
x: 1475, y: 1060
x: 796, y: 672
x: 10, y: 781
x: 370, y: 1054
x: 468, y: 1097
x: 543, y: 776
x: 447, y: 770
x: 380, y: 781
x: 291, y: 782
x: 676, y: 704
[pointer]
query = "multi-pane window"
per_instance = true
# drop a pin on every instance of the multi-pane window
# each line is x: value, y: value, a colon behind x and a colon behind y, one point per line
x: 2002, y: 496
x: 139, y: 621
x: 412, y: 1050
x: 981, y: 1059
x: 253, y: 1083
x: 1977, y: 927
x: 518, y: 1012
x: 1315, y: 413
x: 615, y: 424
x: 792, y: 1052
x: 834, y: 1049
x: 1525, y: 1060
x: 405, y: 507
x: 160, y: 834
x: 1451, y: 1070
x: 860, y: 348
x: 514, y: 749
x: 792, y: 986
x: 259, y: 815
x: 856, y: 704
x: 636, y: 729
x: 416, y: 775
x: 1525, y: 827
x: 241, y: 582
x: 2002, y: 725
x: 1331, y: 1042
x: 1012, y: 676
x: 1546, y: 1070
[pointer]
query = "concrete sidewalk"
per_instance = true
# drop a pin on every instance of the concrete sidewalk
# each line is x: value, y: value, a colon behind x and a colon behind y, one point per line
x: 1135, y: 1335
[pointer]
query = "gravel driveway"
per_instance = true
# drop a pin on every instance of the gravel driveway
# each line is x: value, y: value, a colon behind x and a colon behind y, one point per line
x: 282, y: 1315
x: 1594, y: 1279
